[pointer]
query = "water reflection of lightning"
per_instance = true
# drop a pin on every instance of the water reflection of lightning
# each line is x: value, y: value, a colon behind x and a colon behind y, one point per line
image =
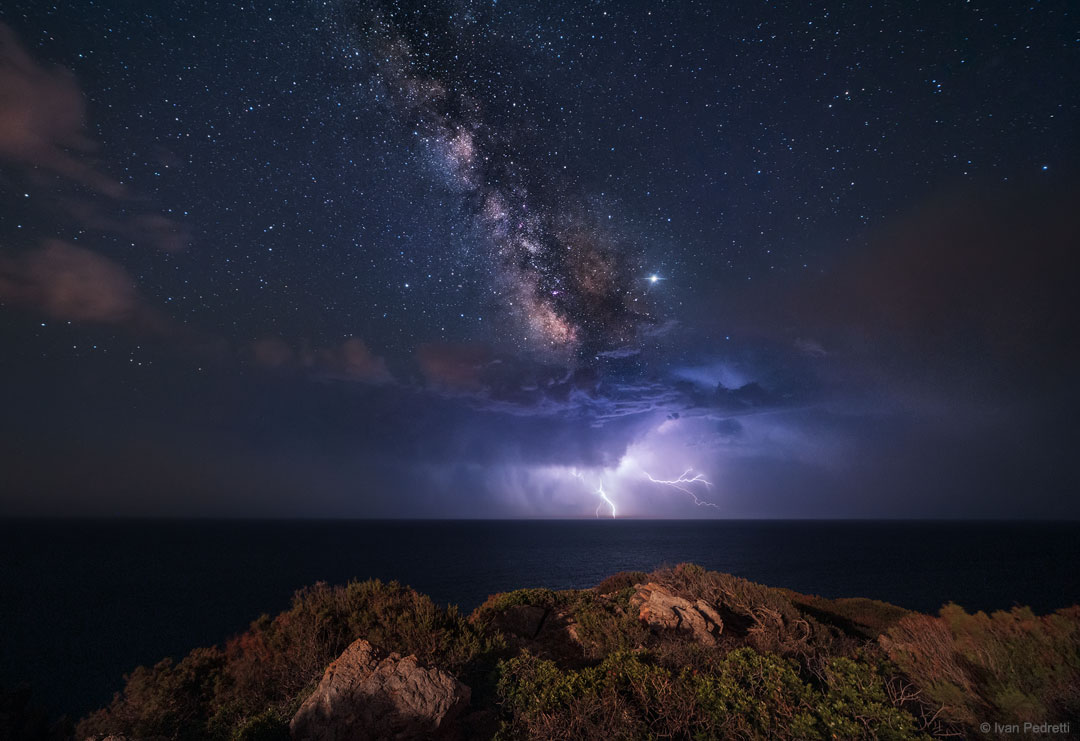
x: 600, y: 493
x: 683, y: 484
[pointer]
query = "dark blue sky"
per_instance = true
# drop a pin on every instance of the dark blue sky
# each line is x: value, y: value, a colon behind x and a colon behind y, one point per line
x: 539, y: 259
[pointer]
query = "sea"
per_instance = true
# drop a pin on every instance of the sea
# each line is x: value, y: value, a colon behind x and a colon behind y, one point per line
x: 82, y: 602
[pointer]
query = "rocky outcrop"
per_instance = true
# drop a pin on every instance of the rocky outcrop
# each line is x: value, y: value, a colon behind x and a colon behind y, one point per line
x: 365, y: 694
x: 664, y: 610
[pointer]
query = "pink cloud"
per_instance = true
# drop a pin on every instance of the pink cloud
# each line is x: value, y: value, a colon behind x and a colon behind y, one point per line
x: 357, y: 362
x: 352, y: 360
x: 69, y: 282
x: 456, y: 367
x: 42, y: 118
x: 43, y: 129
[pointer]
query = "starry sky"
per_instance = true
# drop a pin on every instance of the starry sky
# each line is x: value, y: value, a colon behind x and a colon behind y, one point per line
x: 539, y: 259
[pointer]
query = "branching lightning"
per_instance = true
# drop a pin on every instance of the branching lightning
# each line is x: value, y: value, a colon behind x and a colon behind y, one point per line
x: 683, y: 484
x: 599, y: 491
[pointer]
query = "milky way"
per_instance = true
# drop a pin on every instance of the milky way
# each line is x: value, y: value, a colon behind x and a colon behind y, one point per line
x: 572, y: 285
x: 395, y: 258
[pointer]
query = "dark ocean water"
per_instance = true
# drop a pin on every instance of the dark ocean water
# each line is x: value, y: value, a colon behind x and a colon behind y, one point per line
x: 82, y: 602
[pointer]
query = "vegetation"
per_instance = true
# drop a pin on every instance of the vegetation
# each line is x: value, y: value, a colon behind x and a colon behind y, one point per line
x: 584, y: 663
x: 251, y: 688
x: 748, y: 695
x: 1008, y: 667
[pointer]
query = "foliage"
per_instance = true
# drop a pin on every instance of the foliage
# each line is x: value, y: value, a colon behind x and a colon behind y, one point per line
x: 503, y: 601
x: 267, y: 726
x: 765, y: 618
x: 1009, y: 666
x: 266, y: 672
x: 786, y: 666
x: 867, y: 618
x: 621, y: 581
x: 606, y: 626
x: 751, y: 695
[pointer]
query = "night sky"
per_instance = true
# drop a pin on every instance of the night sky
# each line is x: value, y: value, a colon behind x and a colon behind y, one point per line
x: 545, y: 259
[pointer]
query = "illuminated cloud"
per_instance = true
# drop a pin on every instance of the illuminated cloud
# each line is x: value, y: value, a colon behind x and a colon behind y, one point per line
x: 69, y: 282
x: 43, y: 128
x: 352, y: 360
x: 43, y: 119
x: 454, y: 367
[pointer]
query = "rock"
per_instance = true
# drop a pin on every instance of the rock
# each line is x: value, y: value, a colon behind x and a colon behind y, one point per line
x: 657, y: 606
x: 710, y: 614
x: 365, y: 694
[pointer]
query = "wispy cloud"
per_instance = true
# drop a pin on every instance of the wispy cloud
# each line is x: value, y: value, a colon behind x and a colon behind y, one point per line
x: 68, y: 282
x: 43, y: 130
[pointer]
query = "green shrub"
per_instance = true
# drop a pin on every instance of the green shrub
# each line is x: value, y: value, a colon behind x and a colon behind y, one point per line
x: 621, y: 581
x: 266, y: 726
x: 855, y: 704
x: 537, y: 597
x: 751, y: 695
x: 1008, y: 666
x: 857, y: 616
x: 605, y: 626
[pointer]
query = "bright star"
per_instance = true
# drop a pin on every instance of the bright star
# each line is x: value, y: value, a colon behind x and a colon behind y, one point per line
x: 653, y: 278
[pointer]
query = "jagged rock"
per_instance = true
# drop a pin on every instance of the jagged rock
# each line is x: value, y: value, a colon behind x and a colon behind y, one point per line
x: 661, y: 609
x: 365, y: 694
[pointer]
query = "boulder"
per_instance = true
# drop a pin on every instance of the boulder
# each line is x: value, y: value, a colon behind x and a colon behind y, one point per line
x: 664, y: 610
x: 366, y: 694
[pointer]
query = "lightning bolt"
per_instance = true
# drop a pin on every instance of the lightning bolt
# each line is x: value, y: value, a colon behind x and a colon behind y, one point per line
x: 600, y: 493
x: 683, y: 484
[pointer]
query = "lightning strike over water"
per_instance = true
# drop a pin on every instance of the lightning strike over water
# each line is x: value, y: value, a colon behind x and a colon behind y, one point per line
x: 683, y: 483
x: 599, y: 491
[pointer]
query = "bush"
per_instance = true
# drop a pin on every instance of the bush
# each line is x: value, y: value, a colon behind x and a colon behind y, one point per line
x: 620, y: 581
x: 537, y: 597
x: 787, y: 666
x: 751, y: 695
x: 856, y: 704
x: 856, y: 616
x: 266, y: 726
x: 1010, y: 666
x: 170, y: 700
x: 764, y: 617
x: 266, y: 672
x: 605, y: 626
